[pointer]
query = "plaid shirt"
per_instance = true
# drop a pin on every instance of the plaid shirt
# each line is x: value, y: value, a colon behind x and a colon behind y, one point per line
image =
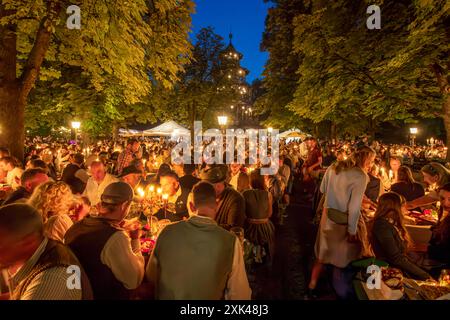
x: 125, y: 159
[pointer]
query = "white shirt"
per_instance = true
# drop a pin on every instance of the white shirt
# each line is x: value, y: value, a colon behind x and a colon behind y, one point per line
x: 11, y: 177
x: 123, y: 256
x: 94, y: 190
x: 345, y: 192
x: 56, y: 227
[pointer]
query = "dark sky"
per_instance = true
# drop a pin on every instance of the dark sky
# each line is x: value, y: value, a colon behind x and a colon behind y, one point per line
x: 246, y: 20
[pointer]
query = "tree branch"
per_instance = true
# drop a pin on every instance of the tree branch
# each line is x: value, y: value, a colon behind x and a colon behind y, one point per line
x: 40, y: 47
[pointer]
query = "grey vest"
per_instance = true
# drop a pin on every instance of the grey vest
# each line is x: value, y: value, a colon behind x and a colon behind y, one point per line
x: 195, y: 259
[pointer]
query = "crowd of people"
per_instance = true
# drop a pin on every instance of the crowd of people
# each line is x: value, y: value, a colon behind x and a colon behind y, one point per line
x: 69, y: 206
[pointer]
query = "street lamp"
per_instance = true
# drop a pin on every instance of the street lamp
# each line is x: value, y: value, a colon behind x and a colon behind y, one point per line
x: 413, y: 132
x: 222, y: 121
x: 75, y: 126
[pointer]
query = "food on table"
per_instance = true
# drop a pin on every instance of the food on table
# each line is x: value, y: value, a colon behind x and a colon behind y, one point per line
x: 433, y: 291
x: 428, y: 216
x: 147, y: 245
x: 392, y: 277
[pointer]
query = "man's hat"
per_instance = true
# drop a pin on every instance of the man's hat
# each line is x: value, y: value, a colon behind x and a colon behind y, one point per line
x: 117, y: 193
x: 215, y: 174
x: 129, y: 170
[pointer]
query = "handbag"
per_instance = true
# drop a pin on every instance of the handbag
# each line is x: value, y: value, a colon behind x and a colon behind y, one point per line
x: 337, y: 216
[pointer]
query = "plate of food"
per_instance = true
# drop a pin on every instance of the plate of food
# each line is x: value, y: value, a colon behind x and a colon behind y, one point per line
x: 433, y: 291
x: 392, y: 277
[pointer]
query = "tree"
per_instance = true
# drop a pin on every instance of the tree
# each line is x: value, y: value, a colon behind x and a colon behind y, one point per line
x: 198, y: 95
x: 355, y: 78
x: 426, y: 56
x: 121, y: 52
x: 280, y: 73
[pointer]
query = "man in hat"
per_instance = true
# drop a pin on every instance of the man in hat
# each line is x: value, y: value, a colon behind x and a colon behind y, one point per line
x: 38, y: 268
x: 111, y: 255
x: 196, y: 259
x: 131, y: 175
x: 231, y: 204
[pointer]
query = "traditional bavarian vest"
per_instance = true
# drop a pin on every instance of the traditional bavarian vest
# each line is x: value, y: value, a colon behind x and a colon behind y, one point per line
x: 195, y: 259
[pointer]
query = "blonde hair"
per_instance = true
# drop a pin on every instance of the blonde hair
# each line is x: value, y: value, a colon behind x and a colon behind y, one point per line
x: 357, y: 159
x: 52, y: 199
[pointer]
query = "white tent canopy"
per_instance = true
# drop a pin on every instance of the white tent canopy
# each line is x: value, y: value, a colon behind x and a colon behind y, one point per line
x: 293, y: 133
x: 129, y: 132
x: 167, y: 129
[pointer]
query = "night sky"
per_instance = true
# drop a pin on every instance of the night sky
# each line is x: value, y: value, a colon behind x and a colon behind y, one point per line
x: 245, y: 18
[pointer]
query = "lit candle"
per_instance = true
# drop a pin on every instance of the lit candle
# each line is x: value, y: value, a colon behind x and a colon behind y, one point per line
x: 382, y: 171
x: 152, y: 188
x: 159, y: 191
x: 141, y: 192
x: 391, y: 174
x: 165, y: 196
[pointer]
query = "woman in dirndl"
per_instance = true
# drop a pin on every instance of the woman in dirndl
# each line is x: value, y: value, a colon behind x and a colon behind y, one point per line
x: 258, y: 229
x: 342, y: 236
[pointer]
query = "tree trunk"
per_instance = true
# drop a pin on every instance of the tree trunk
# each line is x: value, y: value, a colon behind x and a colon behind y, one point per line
x: 333, y: 131
x: 446, y: 118
x: 316, y: 131
x: 11, y: 113
x: 444, y: 85
x: 14, y: 91
x: 192, y: 120
x: 115, y: 131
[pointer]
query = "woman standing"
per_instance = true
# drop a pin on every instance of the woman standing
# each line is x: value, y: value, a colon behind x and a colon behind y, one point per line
x: 340, y: 239
x: 54, y: 200
x: 258, y: 228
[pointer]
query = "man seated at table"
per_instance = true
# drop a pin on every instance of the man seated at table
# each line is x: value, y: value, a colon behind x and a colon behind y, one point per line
x: 97, y: 183
x: 196, y: 259
x: 439, y: 246
x: 110, y: 255
x: 177, y: 198
x: 29, y: 180
x: 188, y: 180
x: 132, y: 176
x: 231, y: 204
x: 38, y: 268
x: 9, y: 164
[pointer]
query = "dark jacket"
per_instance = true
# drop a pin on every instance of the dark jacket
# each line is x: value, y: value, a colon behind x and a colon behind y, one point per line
x: 388, y: 245
x: 181, y: 210
x: 439, y: 246
x: 68, y: 176
x: 373, y: 188
x: 19, y: 194
x: 87, y: 238
x: 231, y: 209
x: 409, y: 191
x: 188, y: 181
